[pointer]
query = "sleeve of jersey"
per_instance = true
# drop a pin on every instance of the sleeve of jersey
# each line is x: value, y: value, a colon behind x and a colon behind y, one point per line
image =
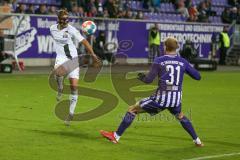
x: 76, y: 34
x: 152, y: 73
x: 192, y: 72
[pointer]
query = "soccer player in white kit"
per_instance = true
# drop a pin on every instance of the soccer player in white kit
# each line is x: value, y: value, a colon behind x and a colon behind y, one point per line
x: 63, y: 35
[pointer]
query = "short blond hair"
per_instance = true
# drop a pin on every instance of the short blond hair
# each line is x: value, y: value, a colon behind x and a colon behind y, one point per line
x: 171, y: 44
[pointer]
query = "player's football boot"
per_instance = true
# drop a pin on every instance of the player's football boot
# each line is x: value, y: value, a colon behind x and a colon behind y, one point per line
x: 59, y: 95
x: 109, y: 135
x: 68, y: 120
x: 198, y: 143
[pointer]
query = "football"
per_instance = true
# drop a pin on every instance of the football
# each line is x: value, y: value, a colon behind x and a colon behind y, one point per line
x: 89, y: 27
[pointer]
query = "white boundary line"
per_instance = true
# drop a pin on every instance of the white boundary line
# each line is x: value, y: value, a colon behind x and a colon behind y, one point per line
x: 215, y: 156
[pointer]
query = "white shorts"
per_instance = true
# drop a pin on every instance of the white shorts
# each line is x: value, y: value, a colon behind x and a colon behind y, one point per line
x: 71, y: 66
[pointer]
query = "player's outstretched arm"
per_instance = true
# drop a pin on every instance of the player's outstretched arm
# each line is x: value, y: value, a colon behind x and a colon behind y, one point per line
x: 89, y: 48
x: 192, y: 72
x: 76, y: 34
x: 151, y: 74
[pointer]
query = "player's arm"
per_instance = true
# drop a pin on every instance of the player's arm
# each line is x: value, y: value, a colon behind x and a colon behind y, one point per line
x: 151, y: 74
x: 88, y: 47
x: 86, y: 44
x: 90, y: 51
x: 192, y: 72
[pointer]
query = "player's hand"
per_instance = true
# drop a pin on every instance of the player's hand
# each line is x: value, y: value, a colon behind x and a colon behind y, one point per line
x: 85, y: 33
x: 141, y: 76
x: 96, y: 61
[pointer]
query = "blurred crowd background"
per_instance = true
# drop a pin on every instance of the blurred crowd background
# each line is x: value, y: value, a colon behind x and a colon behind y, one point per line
x: 210, y: 11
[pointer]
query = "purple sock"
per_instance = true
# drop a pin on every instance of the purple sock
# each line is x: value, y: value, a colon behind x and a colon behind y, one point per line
x: 126, y: 122
x: 187, y: 125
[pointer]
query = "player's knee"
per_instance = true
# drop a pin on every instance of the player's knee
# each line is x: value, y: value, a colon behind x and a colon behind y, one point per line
x: 60, y: 71
x: 130, y: 109
x: 74, y: 85
x: 179, y: 116
x: 74, y: 90
x: 133, y: 109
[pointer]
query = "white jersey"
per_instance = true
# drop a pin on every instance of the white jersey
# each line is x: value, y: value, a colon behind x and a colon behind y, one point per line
x: 65, y: 48
x: 64, y: 41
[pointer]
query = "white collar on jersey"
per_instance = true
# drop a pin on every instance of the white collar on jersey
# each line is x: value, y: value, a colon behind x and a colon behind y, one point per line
x: 171, y: 55
x: 61, y: 29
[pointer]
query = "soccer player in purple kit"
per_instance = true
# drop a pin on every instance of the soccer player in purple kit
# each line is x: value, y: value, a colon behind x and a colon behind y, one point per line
x: 170, y: 69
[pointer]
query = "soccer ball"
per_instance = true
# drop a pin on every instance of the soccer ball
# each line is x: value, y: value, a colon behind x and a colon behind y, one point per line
x: 89, y: 27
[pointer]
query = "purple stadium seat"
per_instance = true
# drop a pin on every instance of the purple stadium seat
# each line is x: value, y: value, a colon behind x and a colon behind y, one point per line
x: 219, y: 19
x: 155, y: 16
x: 168, y: 12
x: 38, y: 2
x: 168, y: 8
x: 146, y: 15
x: 133, y: 5
x: 178, y: 18
x: 162, y: 7
x: 171, y: 7
x: 32, y: 1
x: 139, y: 5
x: 211, y: 19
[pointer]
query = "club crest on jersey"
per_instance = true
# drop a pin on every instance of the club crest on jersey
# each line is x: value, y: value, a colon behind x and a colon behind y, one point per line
x: 65, y: 35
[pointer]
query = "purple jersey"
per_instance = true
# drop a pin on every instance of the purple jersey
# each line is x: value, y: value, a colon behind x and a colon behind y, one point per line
x: 170, y: 70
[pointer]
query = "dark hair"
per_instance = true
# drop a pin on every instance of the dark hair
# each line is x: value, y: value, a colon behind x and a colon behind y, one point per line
x: 62, y: 12
x: 63, y: 21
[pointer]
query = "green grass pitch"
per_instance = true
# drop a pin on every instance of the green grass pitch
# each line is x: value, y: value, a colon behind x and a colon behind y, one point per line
x: 29, y: 129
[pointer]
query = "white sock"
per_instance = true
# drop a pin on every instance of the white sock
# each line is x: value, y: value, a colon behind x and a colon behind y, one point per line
x: 197, y: 141
x: 117, y: 137
x: 73, y: 103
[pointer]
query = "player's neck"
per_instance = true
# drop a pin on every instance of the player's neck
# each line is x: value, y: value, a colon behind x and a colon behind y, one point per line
x: 61, y: 27
x: 171, y: 53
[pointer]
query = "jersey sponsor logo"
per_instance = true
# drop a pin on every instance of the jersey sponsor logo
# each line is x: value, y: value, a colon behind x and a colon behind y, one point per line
x: 65, y: 34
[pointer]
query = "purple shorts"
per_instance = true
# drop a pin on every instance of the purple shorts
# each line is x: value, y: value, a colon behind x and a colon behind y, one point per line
x: 152, y: 107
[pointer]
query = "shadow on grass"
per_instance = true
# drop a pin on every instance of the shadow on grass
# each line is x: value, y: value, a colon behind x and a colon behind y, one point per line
x: 205, y: 141
x: 79, y: 135
x: 19, y: 120
x: 64, y: 133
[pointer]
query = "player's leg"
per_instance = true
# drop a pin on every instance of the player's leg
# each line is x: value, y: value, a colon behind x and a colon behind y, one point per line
x: 73, y: 78
x: 74, y: 95
x: 60, y: 81
x: 186, y: 124
x: 60, y: 72
x: 126, y: 122
x: 128, y: 119
x: 73, y: 99
x: 146, y: 105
